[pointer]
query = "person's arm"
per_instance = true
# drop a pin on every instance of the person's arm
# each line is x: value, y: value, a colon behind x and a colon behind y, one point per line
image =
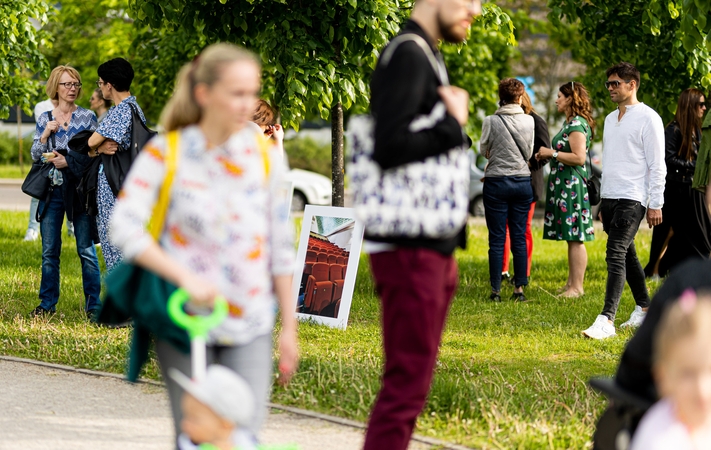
x: 653, y: 144
x: 399, y: 139
x: 96, y: 140
x: 127, y: 226
x: 541, y: 138
x: 484, y: 143
x: 281, y: 264
x: 576, y: 157
x: 38, y: 146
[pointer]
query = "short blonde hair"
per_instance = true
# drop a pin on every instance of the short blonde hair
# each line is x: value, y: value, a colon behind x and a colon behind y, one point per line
x: 53, y: 80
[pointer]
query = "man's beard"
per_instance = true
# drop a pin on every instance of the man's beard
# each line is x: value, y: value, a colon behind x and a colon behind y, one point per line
x: 448, y: 31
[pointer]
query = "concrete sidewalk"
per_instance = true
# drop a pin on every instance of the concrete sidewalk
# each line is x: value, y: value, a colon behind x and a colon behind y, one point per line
x: 46, y: 408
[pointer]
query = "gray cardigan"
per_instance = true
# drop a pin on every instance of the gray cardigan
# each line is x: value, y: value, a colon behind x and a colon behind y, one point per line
x: 498, y: 144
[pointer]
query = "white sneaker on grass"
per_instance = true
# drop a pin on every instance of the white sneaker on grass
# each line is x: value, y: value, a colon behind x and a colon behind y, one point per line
x: 636, y: 318
x: 601, y: 329
x: 31, y: 235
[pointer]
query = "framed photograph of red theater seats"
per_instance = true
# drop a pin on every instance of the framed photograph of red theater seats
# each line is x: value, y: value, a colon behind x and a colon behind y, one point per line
x: 327, y: 263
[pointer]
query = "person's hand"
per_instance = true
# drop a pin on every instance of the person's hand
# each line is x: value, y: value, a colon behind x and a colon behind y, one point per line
x: 202, y: 293
x: 457, y: 102
x: 654, y: 217
x: 277, y: 133
x: 108, y: 147
x: 59, y: 161
x: 544, y: 154
x: 52, y: 127
x: 288, y: 354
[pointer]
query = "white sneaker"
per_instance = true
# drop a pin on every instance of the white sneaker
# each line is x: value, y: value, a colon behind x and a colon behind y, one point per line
x: 636, y: 318
x: 31, y: 235
x: 601, y: 329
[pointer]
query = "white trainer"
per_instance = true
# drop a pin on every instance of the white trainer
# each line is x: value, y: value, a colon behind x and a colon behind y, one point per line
x: 31, y: 235
x: 636, y: 318
x: 601, y: 329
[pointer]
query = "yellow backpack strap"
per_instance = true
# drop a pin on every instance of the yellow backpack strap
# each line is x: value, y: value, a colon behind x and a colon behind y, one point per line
x: 161, y: 207
x: 263, y: 144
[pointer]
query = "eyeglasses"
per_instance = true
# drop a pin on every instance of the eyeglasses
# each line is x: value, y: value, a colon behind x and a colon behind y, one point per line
x: 615, y: 83
x: 702, y: 105
x: 70, y: 85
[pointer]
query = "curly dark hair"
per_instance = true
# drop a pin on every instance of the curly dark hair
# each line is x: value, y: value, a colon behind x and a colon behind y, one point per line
x: 580, y: 105
x: 510, y: 91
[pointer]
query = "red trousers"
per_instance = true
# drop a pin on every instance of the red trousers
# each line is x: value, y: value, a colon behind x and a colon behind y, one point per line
x: 416, y: 287
x: 529, y: 243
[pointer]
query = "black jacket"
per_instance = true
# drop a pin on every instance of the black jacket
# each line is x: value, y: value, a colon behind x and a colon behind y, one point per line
x: 541, y: 138
x: 679, y: 169
x: 404, y: 89
x: 87, y: 186
x: 76, y: 163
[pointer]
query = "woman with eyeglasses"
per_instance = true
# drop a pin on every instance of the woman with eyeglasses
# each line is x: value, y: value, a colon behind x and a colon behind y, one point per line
x: 112, y: 136
x: 568, y: 215
x: 54, y: 130
x: 686, y: 228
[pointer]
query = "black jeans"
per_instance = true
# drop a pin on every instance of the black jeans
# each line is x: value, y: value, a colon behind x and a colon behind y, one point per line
x: 620, y: 220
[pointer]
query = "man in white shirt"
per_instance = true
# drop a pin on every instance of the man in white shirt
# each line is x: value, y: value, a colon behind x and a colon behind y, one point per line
x: 632, y: 184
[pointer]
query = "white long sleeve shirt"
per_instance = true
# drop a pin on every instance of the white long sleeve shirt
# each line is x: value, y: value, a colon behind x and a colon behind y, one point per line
x: 633, y: 157
x: 633, y: 165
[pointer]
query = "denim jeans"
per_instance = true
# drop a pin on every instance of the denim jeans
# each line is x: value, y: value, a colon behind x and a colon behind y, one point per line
x: 620, y: 220
x: 51, y: 231
x: 507, y: 199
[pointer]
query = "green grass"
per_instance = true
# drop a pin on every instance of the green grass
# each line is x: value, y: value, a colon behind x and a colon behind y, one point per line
x: 510, y: 376
x: 13, y: 170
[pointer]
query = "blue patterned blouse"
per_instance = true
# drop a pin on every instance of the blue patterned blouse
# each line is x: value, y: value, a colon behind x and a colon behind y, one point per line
x: 117, y: 123
x: 82, y: 119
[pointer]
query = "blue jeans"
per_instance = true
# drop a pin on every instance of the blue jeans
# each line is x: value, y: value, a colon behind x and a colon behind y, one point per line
x: 51, y: 231
x: 507, y: 199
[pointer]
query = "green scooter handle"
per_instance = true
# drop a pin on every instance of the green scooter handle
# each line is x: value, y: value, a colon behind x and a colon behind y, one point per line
x: 196, y: 326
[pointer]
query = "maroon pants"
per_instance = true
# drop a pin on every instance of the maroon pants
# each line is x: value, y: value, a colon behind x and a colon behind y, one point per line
x: 415, y: 286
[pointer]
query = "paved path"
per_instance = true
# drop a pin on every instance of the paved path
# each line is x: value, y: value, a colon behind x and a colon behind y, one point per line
x: 46, y: 408
x: 11, y: 196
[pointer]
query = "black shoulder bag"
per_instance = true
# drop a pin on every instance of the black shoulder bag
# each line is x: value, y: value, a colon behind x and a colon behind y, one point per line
x: 116, y: 166
x: 37, y: 183
x: 592, y: 183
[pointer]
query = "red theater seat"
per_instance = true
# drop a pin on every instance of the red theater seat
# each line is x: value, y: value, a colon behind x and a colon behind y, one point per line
x: 332, y: 259
x: 322, y: 257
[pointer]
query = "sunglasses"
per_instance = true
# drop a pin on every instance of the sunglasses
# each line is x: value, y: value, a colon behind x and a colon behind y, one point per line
x: 615, y: 83
x: 702, y: 105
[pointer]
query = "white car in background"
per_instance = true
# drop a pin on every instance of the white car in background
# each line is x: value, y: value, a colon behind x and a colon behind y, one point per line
x: 310, y: 188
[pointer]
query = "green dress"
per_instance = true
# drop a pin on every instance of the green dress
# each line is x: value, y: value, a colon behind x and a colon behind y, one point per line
x: 568, y: 213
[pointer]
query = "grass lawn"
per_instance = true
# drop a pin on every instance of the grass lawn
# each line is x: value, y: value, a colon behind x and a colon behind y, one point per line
x: 510, y: 376
x: 13, y: 170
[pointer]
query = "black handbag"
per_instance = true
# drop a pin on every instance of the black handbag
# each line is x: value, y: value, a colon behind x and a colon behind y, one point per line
x: 592, y: 183
x: 37, y: 183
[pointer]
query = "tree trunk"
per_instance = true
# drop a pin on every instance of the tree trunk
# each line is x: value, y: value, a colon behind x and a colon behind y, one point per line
x: 337, y: 172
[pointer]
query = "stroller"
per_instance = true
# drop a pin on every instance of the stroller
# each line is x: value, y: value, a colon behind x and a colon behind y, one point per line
x: 631, y: 391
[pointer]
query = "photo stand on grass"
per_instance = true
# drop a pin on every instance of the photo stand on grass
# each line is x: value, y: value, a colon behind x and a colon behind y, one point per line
x: 327, y: 264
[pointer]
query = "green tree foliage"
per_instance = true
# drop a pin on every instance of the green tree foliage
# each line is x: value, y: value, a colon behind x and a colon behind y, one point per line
x: 667, y: 43
x: 20, y: 56
x: 481, y: 62
x: 87, y: 33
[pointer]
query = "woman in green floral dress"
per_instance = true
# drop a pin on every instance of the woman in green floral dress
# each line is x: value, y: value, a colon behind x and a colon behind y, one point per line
x: 568, y: 215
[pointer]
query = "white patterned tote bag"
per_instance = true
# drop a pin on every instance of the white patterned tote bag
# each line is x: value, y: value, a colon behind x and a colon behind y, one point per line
x: 427, y: 199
